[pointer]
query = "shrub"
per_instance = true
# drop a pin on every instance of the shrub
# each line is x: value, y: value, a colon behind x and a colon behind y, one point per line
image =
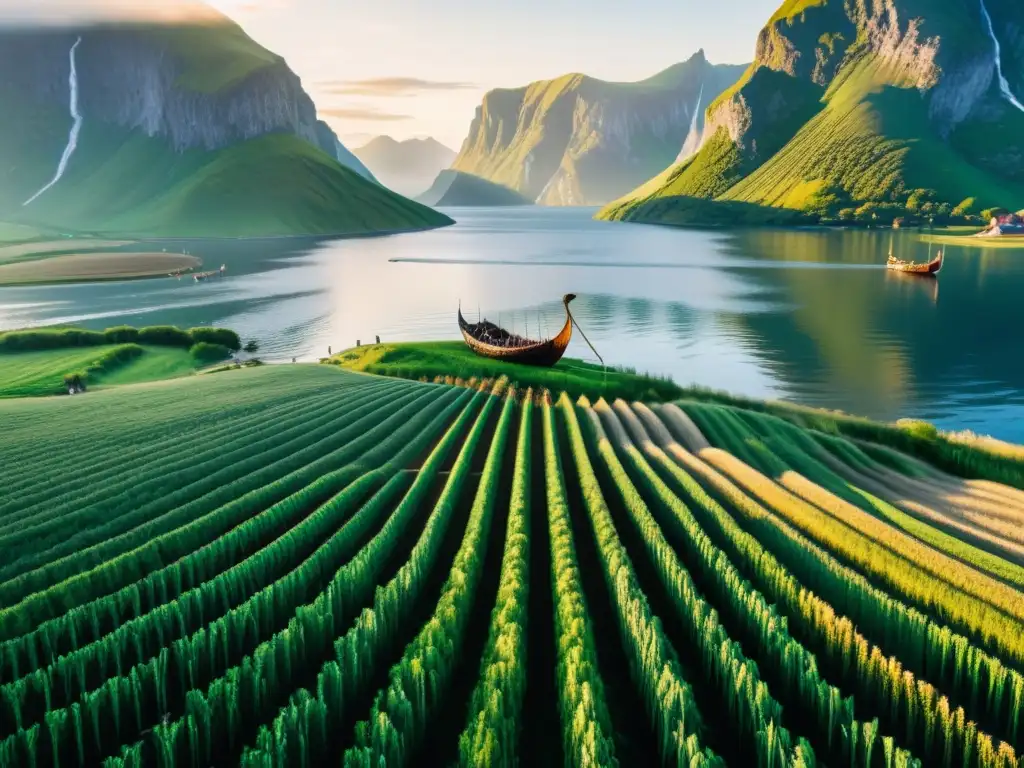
x: 19, y: 341
x: 165, y: 335
x: 121, y: 334
x: 205, y: 352
x: 967, y: 207
x: 990, y: 213
x: 222, y: 336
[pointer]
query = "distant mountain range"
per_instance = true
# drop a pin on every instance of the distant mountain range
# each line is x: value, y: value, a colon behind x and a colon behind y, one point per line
x: 857, y: 109
x: 577, y: 140
x: 455, y: 188
x: 184, y: 129
x: 408, y: 167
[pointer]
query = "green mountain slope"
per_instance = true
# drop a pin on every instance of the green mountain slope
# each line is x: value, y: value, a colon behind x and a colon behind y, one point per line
x: 455, y: 188
x: 187, y: 130
x: 577, y: 140
x: 898, y: 107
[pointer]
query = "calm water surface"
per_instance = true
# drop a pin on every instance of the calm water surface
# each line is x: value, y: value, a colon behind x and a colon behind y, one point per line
x: 809, y: 316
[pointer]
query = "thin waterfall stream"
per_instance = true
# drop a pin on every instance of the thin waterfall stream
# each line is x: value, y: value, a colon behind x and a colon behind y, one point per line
x: 1004, y: 84
x: 76, y: 126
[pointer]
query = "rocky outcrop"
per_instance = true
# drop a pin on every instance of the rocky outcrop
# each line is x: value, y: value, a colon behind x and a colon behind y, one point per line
x: 135, y: 78
x: 577, y: 140
x: 847, y: 102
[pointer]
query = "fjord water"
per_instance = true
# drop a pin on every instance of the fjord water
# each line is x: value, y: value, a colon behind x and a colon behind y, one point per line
x: 806, y: 315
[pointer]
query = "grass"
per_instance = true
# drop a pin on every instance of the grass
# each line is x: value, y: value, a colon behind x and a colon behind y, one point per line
x: 1004, y: 242
x: 428, y: 360
x: 41, y: 373
x: 224, y: 565
x: 273, y: 185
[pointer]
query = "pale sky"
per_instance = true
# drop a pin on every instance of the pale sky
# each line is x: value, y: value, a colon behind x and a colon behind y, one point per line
x: 420, y: 67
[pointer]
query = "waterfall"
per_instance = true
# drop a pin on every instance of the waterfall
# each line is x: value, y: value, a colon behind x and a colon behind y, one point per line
x: 1004, y: 84
x: 76, y: 126
x: 693, y: 138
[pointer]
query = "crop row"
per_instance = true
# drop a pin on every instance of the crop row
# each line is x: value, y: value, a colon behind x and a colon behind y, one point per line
x: 350, y: 591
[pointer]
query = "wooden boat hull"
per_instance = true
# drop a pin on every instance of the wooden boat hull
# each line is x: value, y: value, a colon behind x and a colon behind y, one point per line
x: 526, y: 352
x: 931, y: 269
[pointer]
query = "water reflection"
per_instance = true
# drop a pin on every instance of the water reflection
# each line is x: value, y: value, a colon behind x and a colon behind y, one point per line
x: 810, y: 315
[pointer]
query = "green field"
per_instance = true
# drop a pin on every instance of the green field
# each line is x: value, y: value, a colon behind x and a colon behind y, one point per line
x: 301, y: 565
x: 41, y: 373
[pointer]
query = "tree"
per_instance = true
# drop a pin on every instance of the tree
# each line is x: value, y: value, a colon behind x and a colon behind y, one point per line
x: 252, y: 347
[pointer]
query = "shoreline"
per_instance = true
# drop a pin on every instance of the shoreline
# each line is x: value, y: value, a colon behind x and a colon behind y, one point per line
x: 150, y: 239
x: 96, y: 267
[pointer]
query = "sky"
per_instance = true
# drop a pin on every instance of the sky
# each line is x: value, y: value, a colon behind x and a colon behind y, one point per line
x: 415, y: 68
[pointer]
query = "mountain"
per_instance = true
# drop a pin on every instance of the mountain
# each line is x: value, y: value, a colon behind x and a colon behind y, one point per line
x: 578, y: 140
x: 856, y: 109
x: 408, y: 167
x: 328, y: 141
x: 188, y: 128
x: 455, y: 188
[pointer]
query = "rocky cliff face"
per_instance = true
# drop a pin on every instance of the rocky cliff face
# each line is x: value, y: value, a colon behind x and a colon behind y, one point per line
x: 582, y: 141
x: 191, y: 129
x: 938, y: 49
x: 139, y: 78
x: 856, y: 101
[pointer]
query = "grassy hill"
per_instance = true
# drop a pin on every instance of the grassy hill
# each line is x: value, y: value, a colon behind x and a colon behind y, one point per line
x: 272, y: 185
x: 844, y: 107
x: 229, y: 146
x: 455, y: 188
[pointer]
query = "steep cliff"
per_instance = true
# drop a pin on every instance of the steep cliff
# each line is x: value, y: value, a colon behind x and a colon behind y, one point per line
x: 408, y: 167
x: 166, y: 116
x: 577, y: 140
x: 896, y: 103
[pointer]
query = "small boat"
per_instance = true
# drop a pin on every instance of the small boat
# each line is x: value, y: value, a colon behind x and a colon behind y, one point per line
x: 928, y: 269
x: 199, y: 276
x: 489, y: 340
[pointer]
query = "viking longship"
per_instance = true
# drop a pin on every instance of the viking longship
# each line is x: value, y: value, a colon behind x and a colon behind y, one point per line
x: 927, y: 269
x: 490, y: 340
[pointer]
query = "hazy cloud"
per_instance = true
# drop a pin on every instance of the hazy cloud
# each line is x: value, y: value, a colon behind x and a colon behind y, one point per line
x: 360, y: 113
x: 70, y: 12
x: 389, y: 86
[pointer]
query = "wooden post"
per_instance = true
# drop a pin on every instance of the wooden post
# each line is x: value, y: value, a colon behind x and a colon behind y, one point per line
x: 358, y: 344
x: 328, y: 351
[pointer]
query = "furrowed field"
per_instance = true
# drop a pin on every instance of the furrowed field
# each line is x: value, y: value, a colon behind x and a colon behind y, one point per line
x: 306, y: 566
